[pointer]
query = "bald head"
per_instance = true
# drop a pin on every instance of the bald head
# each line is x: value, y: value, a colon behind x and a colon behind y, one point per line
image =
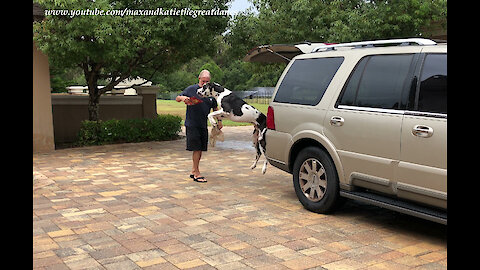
x: 203, y: 77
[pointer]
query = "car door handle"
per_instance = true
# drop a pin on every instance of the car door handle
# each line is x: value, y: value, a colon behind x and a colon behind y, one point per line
x: 422, y: 131
x: 336, y: 121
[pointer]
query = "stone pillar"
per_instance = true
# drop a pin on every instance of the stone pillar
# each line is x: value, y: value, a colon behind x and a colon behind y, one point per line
x: 149, y: 94
x: 42, y: 107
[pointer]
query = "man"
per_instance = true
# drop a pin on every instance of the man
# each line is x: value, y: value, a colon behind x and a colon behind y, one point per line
x: 196, y: 121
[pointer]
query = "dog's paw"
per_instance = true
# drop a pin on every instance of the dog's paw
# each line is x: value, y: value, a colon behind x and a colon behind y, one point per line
x: 253, y: 165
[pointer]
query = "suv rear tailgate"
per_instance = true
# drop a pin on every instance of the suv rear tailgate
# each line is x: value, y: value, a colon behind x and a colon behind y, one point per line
x: 278, y: 53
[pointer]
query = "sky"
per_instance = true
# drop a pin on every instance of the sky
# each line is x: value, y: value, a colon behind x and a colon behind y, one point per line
x: 239, y: 5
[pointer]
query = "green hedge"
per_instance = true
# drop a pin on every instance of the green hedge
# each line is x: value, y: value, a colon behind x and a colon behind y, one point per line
x: 164, y: 127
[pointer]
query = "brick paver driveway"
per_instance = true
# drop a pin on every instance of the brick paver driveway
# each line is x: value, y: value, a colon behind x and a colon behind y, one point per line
x: 133, y: 206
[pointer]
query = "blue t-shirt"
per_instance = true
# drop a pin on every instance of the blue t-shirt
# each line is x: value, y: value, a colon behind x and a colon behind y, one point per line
x: 196, y: 115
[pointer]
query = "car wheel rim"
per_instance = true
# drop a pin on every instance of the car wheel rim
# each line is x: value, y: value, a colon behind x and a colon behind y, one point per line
x: 313, y: 179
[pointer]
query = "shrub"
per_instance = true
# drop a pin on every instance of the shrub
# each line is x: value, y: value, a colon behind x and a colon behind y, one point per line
x: 163, y: 127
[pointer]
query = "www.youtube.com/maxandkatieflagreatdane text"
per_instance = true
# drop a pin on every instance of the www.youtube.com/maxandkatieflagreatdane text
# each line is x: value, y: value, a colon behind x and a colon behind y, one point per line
x: 194, y: 13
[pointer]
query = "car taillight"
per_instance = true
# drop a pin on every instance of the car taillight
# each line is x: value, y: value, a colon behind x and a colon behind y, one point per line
x: 270, y: 118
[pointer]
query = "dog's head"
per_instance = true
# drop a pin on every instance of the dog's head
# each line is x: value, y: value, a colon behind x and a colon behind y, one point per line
x: 210, y: 90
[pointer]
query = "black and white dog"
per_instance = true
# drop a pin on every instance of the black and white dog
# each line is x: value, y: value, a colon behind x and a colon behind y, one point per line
x: 237, y: 110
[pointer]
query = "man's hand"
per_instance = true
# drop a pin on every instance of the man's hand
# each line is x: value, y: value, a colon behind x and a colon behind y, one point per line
x: 184, y: 99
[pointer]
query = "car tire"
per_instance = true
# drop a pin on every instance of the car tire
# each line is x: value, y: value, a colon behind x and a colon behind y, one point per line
x: 315, y: 180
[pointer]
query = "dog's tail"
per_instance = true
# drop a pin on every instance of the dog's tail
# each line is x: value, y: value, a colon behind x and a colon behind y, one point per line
x: 261, y: 125
x: 259, y: 141
x: 261, y: 121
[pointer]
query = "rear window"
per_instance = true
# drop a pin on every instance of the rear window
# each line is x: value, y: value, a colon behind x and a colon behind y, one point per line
x: 433, y: 84
x: 306, y: 80
x: 377, y: 82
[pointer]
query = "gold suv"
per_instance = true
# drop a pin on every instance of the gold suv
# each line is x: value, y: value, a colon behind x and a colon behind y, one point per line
x: 365, y: 121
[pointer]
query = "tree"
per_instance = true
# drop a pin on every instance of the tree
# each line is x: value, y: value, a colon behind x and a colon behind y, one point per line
x: 60, y: 78
x: 176, y: 81
x: 337, y: 21
x: 216, y: 72
x: 236, y: 75
x: 289, y: 22
x: 115, y: 47
x: 183, y: 76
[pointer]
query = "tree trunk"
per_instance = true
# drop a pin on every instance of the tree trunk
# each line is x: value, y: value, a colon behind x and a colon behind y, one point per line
x: 93, y: 101
x: 91, y: 76
x: 94, y: 93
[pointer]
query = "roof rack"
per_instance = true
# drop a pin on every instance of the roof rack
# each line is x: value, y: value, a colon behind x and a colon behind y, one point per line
x: 368, y: 44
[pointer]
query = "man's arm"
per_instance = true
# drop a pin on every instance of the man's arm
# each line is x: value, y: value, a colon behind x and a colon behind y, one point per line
x: 184, y: 99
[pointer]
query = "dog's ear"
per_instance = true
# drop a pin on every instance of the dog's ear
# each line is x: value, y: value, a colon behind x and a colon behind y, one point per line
x: 217, y: 87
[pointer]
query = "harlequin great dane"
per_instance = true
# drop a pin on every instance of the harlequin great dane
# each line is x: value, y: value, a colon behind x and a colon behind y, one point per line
x: 237, y: 110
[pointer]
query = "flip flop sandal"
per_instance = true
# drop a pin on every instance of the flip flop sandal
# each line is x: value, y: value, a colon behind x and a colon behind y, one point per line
x: 192, y: 176
x: 198, y: 178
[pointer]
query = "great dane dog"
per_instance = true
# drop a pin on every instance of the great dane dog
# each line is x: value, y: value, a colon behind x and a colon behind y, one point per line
x: 236, y: 109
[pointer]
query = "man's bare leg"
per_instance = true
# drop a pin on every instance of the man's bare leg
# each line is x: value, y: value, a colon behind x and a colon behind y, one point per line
x: 196, y: 156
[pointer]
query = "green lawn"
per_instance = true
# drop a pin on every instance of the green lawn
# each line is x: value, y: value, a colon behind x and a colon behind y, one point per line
x: 178, y: 108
